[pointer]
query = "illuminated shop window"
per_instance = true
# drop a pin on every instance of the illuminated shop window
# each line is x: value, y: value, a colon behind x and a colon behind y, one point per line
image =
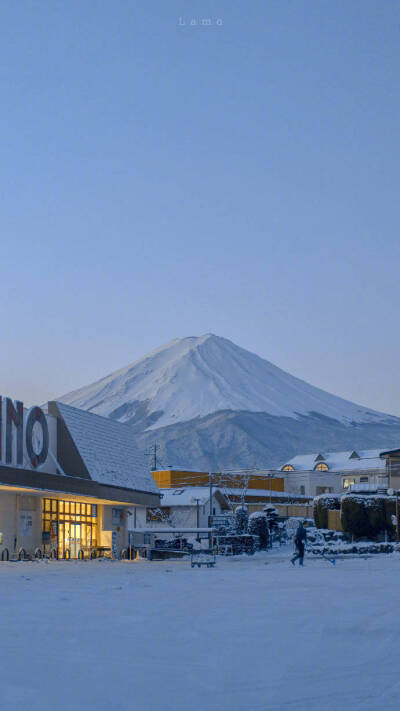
x: 73, y: 525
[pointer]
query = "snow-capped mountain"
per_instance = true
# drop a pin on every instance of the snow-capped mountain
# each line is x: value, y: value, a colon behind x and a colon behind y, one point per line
x: 198, y: 387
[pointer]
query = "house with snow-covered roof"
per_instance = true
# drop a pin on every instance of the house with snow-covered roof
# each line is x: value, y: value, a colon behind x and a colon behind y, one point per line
x: 333, y: 472
x: 188, y: 507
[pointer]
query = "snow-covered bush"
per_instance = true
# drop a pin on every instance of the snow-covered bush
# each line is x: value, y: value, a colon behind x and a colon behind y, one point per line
x: 322, y: 504
x: 375, y: 509
x: 389, y: 503
x: 258, y: 526
x: 363, y: 516
x: 354, y: 516
x: 241, y: 519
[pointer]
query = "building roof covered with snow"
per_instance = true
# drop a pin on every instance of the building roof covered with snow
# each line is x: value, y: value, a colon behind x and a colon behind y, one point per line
x: 97, y: 448
x: 189, y: 496
x: 337, y: 462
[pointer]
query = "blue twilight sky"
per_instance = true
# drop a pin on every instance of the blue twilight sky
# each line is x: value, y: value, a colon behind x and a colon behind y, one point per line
x: 161, y: 179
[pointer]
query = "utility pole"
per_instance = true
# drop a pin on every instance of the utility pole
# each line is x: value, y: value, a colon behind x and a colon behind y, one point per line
x: 152, y: 452
x: 211, y: 509
x: 397, y: 515
x: 198, y: 518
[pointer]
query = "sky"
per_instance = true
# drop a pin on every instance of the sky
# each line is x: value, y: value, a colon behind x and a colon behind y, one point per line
x: 163, y: 177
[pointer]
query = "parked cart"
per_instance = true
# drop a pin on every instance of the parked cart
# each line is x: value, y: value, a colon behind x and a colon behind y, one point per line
x: 203, y: 557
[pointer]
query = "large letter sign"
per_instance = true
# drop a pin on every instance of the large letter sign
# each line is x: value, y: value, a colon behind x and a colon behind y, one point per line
x: 26, y: 435
x: 14, y: 416
x: 37, y: 436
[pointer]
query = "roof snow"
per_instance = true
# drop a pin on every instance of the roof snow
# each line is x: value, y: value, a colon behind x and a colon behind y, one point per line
x: 108, y: 450
x: 196, y: 376
x: 187, y: 496
x: 339, y: 461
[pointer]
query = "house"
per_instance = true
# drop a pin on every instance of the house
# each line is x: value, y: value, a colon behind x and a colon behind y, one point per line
x: 391, y: 459
x: 187, y: 507
x: 333, y: 472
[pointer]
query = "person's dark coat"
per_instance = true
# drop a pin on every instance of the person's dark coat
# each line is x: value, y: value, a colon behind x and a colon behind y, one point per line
x: 301, y: 534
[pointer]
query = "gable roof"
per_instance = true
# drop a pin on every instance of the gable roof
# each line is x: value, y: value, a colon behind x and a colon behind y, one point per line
x: 339, y: 461
x: 107, y: 449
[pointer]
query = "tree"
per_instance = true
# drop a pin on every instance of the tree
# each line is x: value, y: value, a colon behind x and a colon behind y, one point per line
x: 258, y: 526
x: 241, y: 519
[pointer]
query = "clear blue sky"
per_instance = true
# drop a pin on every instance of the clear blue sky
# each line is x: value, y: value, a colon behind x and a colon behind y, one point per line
x: 161, y: 180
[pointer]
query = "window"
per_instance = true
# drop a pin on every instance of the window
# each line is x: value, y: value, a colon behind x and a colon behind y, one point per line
x: 323, y: 490
x: 321, y: 467
x: 302, y: 489
x: 347, y: 483
x: 288, y: 468
x: 363, y: 479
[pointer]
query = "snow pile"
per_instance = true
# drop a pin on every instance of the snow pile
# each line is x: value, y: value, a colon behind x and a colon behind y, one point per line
x: 194, y: 377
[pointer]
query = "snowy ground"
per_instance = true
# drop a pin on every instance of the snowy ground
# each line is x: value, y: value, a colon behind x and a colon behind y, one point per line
x: 253, y: 634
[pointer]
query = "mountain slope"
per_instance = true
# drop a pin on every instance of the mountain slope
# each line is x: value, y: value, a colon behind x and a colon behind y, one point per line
x: 194, y: 377
x: 212, y: 403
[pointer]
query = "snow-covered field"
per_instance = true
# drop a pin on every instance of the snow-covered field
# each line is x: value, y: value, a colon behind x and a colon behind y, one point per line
x: 252, y: 634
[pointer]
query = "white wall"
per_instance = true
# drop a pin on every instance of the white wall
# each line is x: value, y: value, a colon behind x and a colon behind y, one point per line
x: 312, y: 480
x: 16, y: 512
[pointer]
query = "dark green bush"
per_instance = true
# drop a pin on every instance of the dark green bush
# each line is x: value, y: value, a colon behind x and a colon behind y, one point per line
x: 241, y: 519
x: 389, y: 503
x: 375, y: 510
x: 363, y: 516
x: 322, y: 504
x: 258, y: 526
x: 354, y: 516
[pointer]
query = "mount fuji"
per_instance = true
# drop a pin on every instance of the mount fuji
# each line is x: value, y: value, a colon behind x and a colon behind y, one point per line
x: 210, y: 404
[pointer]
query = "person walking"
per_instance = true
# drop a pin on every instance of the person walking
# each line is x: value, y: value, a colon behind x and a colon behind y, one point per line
x: 300, y: 542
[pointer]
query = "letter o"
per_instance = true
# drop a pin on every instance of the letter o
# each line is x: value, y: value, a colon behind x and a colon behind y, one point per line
x: 36, y: 414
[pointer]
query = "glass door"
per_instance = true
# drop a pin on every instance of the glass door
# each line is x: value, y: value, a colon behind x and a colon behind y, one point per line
x: 75, y: 539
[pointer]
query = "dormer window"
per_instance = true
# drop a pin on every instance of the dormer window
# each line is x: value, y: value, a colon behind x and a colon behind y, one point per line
x: 321, y: 467
x: 288, y: 468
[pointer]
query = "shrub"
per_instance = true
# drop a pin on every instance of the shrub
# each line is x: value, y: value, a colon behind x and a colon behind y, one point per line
x: 258, y: 526
x: 375, y: 510
x: 241, y: 519
x: 389, y: 504
x: 322, y: 504
x: 354, y: 516
x: 363, y: 516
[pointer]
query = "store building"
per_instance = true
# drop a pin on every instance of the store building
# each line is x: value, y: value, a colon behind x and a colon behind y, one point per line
x: 69, y: 482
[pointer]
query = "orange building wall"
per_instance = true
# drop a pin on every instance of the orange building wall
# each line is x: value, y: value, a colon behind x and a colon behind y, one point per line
x: 173, y: 479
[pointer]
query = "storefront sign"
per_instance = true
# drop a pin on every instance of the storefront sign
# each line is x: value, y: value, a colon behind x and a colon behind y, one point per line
x: 19, y: 428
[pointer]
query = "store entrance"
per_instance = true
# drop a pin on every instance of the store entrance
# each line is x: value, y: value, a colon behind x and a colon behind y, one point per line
x: 72, y: 526
x: 70, y: 538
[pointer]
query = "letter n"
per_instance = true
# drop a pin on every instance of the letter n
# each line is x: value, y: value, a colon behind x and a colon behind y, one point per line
x: 14, y: 416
